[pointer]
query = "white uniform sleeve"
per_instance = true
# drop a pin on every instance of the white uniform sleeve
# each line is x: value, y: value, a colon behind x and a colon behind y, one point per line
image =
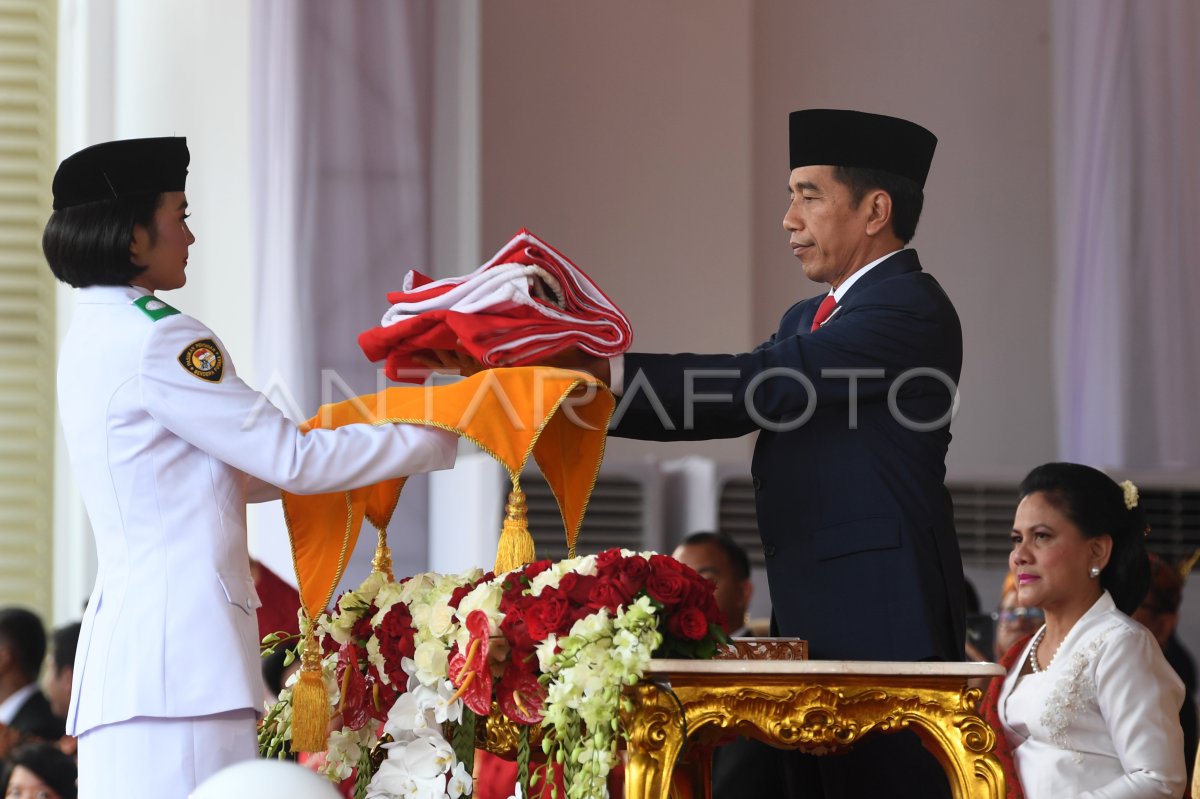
x: 1140, y: 696
x: 239, y: 426
x: 260, y: 491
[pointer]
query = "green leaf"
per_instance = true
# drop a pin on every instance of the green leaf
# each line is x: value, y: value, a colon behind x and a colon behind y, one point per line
x: 462, y: 740
x: 523, y: 761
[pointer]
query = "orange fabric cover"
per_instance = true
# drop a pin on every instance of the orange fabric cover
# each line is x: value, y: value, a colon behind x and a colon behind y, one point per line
x: 559, y: 416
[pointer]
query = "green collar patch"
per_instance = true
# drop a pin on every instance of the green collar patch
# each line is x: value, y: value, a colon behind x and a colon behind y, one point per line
x: 154, y: 307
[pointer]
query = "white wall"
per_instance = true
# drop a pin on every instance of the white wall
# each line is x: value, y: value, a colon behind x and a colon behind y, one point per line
x: 133, y: 68
x: 621, y: 133
x: 978, y: 75
x: 649, y: 141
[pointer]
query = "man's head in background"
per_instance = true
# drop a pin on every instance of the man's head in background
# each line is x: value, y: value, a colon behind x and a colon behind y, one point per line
x: 62, y: 668
x: 22, y: 648
x: 724, y: 561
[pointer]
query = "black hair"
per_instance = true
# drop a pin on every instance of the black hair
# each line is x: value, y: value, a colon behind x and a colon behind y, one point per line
x: 907, y: 197
x: 734, y: 552
x: 88, y: 244
x: 65, y: 641
x: 22, y: 632
x: 51, y: 766
x: 1096, y: 505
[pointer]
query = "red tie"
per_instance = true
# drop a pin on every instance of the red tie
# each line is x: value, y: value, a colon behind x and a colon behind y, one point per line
x: 825, y: 311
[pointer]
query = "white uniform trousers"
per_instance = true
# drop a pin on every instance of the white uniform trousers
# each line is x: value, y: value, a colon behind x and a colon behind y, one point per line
x: 162, y: 758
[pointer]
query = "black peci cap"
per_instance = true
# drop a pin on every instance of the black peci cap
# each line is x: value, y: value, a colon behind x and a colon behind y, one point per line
x: 122, y: 168
x: 858, y: 139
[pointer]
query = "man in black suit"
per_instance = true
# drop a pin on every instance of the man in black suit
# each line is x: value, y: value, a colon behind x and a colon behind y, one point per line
x: 24, y: 710
x: 851, y: 400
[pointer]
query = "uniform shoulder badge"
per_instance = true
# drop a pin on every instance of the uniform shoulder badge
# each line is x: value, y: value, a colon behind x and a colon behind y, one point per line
x: 203, y: 359
x: 154, y: 307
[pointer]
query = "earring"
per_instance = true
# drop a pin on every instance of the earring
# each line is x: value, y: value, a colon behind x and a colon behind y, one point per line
x: 1095, y: 572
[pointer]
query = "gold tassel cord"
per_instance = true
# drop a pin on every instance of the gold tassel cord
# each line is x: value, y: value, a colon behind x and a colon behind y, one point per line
x: 515, y: 548
x: 310, y: 700
x: 382, y: 562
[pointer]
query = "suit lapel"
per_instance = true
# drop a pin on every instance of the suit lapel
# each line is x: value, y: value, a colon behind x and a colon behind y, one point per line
x: 800, y: 318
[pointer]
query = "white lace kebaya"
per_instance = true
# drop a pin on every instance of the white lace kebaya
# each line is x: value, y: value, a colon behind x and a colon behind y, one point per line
x: 1101, y: 719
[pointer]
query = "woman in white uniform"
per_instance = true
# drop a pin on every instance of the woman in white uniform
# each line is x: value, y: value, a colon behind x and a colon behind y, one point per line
x: 168, y: 445
x: 1091, y: 708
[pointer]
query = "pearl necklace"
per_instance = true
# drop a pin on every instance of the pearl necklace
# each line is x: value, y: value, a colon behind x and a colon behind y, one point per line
x: 1033, y: 648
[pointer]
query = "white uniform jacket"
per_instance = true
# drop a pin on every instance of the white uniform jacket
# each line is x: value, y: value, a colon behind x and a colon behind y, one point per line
x: 1102, y: 720
x: 168, y: 445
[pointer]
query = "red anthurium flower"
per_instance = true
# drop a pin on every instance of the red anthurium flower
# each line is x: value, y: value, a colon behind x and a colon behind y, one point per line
x: 521, y: 696
x: 471, y: 672
x: 355, y: 701
x: 381, y: 695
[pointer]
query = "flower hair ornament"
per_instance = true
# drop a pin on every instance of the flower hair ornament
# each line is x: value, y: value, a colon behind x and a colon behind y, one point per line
x: 1131, y: 494
x: 1131, y: 500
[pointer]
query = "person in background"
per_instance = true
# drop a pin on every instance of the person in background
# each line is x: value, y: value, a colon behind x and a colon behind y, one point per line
x: 62, y: 668
x: 722, y: 560
x: 24, y: 710
x: 1013, y: 622
x: 1159, y: 612
x: 60, y: 675
x: 744, y: 766
x: 40, y: 771
x: 168, y: 446
x: 1091, y: 706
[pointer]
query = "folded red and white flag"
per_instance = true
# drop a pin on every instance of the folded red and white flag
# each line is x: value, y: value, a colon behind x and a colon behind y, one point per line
x: 528, y: 302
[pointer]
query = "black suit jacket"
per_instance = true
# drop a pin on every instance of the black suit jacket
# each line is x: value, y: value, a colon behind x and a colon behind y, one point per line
x: 34, y: 719
x: 855, y: 519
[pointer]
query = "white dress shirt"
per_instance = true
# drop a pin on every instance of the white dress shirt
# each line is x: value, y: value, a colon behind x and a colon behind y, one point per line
x: 10, y: 706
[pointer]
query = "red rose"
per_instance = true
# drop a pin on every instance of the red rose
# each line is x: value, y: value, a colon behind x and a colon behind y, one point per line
x: 667, y: 586
x: 607, y: 593
x: 361, y: 631
x: 547, y: 614
x: 609, y: 559
x: 516, y: 631
x: 688, y: 623
x: 531, y: 570
x: 632, y: 572
x: 396, y: 642
x: 661, y: 562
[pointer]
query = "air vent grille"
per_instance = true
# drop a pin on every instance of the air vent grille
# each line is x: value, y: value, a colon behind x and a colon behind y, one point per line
x: 616, y: 516
x: 983, y: 514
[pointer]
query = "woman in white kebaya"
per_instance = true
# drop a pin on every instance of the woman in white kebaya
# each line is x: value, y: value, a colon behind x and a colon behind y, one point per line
x: 1091, y: 708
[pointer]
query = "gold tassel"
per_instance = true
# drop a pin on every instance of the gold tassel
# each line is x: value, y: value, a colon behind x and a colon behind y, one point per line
x: 382, y: 562
x: 310, y: 700
x: 516, y: 545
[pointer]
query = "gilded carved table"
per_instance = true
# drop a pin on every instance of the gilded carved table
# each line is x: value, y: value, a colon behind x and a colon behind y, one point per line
x: 815, y: 706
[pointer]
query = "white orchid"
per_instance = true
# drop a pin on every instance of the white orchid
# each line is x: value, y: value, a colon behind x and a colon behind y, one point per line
x: 460, y: 783
x: 426, y: 756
